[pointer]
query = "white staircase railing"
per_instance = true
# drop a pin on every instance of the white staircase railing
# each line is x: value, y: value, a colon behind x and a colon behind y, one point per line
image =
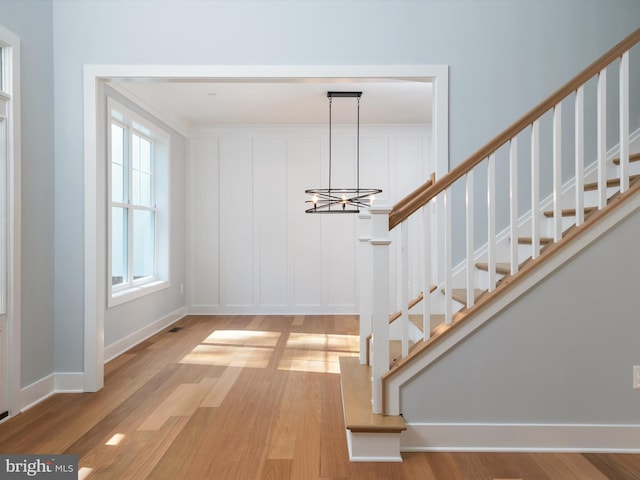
x: 502, y: 216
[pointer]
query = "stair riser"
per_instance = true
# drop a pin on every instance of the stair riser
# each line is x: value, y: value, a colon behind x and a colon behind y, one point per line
x: 369, y: 447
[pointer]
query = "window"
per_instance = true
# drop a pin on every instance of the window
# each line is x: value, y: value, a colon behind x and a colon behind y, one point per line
x: 138, y: 153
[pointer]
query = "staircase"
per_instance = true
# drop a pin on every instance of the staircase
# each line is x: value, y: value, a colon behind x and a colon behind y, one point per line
x: 500, y: 253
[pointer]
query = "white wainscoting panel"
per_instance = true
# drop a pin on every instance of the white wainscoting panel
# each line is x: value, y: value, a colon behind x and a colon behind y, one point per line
x: 236, y: 221
x: 254, y: 250
x: 205, y: 191
x: 305, y: 233
x: 270, y: 206
x: 340, y: 238
x: 375, y: 167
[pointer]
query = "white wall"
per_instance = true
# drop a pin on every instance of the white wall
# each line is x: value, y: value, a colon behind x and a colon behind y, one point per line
x: 253, y: 249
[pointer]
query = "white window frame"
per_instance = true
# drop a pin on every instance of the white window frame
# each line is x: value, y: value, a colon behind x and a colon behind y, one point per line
x: 5, y: 155
x: 11, y: 208
x: 132, y: 122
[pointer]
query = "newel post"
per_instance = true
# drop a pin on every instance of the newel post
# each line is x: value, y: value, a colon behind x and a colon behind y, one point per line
x: 365, y: 286
x: 380, y: 241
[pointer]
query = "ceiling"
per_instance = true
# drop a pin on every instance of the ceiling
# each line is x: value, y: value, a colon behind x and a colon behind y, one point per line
x: 281, y: 101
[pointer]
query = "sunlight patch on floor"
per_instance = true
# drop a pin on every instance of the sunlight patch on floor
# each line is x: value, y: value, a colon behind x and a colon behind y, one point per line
x: 313, y: 352
x: 116, y: 439
x: 303, y: 352
x: 310, y: 361
x: 225, y: 355
x: 245, y: 338
x: 325, y: 341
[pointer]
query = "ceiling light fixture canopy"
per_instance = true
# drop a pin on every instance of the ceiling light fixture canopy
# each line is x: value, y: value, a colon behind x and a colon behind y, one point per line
x: 342, y: 200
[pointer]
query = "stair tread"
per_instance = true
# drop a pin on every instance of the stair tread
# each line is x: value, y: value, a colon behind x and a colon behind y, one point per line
x: 529, y: 240
x: 435, y: 320
x: 460, y: 294
x: 632, y: 158
x: 501, y: 267
x: 356, y: 397
x: 569, y: 212
x: 612, y: 182
x: 395, y: 351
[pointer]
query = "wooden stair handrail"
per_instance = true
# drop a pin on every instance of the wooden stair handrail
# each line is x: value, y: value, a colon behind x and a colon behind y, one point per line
x: 412, y: 303
x: 423, y: 194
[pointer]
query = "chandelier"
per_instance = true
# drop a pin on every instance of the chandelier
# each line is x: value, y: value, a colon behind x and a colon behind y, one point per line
x: 342, y: 200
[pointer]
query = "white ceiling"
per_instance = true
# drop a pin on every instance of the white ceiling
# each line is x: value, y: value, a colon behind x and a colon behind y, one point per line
x: 282, y: 101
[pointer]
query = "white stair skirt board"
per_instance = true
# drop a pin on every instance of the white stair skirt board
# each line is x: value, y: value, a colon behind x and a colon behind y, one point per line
x: 434, y: 437
x: 373, y: 447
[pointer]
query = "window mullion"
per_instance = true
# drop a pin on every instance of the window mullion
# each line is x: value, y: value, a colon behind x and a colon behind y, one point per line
x: 128, y: 200
x: 130, y: 244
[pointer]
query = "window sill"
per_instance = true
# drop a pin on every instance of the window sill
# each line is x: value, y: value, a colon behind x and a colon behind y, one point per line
x: 138, y: 291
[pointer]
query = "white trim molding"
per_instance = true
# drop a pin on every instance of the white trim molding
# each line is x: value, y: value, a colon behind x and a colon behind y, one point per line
x: 62, y: 382
x: 124, y: 344
x: 36, y: 392
x: 95, y: 77
x: 10, y: 43
x: 474, y: 437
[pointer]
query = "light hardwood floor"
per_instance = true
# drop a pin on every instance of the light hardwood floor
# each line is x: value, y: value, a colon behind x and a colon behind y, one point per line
x: 248, y: 397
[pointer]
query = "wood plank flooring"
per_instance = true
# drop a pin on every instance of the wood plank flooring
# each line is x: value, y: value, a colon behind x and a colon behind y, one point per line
x: 248, y: 397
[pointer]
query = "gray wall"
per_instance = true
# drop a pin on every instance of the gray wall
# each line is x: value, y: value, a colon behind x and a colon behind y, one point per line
x: 32, y: 22
x: 562, y: 353
x: 504, y: 57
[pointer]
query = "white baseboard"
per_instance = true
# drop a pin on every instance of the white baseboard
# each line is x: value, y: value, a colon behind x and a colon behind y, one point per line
x: 272, y: 310
x: 124, y: 344
x: 73, y: 382
x: 38, y: 391
x: 69, y: 382
x: 429, y: 437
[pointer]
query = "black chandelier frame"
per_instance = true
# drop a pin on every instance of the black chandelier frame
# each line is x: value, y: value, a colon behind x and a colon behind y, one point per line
x: 342, y: 200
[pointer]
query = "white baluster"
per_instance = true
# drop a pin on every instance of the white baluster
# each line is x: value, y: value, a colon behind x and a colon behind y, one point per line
x: 365, y: 269
x: 448, y: 246
x: 579, y: 148
x: 624, y: 122
x: 470, y: 250
x: 380, y: 241
x: 491, y: 221
x: 426, y: 296
x: 404, y: 287
x: 557, y: 173
x: 513, y: 201
x: 602, y: 138
x: 535, y: 189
